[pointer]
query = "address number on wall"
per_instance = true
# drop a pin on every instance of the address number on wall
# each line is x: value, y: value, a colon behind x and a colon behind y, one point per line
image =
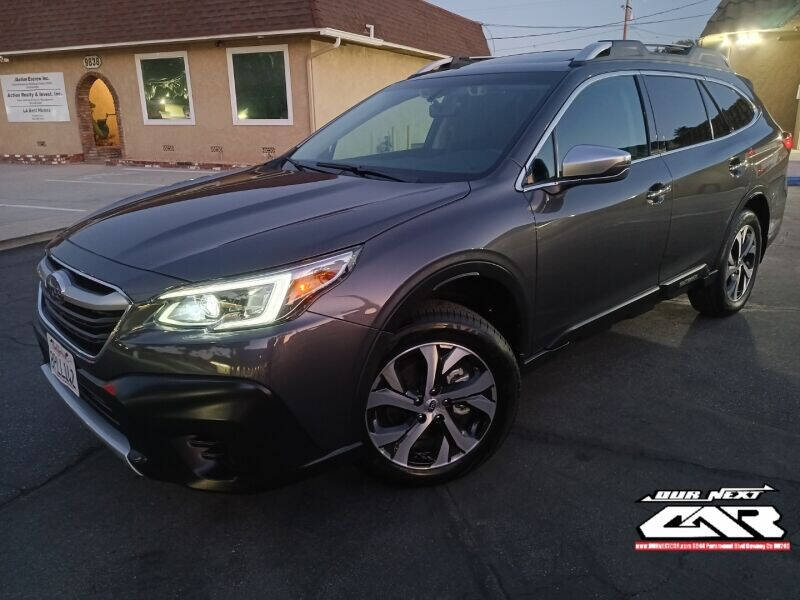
x: 92, y: 62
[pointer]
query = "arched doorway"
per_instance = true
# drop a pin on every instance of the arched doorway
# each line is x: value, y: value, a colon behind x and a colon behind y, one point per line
x: 99, y: 123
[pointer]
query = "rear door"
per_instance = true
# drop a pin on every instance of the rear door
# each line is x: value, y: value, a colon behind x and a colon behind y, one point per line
x: 599, y: 245
x: 708, y: 165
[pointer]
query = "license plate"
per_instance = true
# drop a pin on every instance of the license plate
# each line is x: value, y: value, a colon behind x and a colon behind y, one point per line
x: 62, y: 364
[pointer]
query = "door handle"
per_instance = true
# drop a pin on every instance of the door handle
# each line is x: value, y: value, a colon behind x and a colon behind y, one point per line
x: 656, y: 193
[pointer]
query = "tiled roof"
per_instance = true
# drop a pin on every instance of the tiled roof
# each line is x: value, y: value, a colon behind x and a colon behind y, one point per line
x: 41, y: 24
x: 741, y: 15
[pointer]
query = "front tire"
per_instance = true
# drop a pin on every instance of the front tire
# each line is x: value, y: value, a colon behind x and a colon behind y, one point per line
x: 737, y: 269
x: 443, y: 398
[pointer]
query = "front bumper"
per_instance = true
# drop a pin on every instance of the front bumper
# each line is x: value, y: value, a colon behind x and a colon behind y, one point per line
x: 231, y: 413
x: 207, y: 432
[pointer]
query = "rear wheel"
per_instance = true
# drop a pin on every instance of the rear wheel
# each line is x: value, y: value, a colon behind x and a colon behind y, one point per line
x: 737, y: 269
x: 443, y: 398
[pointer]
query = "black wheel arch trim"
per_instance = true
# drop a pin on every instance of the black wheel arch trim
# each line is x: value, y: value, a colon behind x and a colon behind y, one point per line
x: 758, y: 190
x: 472, y: 264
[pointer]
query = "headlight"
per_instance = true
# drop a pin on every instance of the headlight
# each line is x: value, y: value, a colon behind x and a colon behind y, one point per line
x: 252, y: 301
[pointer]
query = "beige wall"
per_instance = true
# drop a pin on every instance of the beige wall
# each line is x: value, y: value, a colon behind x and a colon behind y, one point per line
x: 61, y: 137
x: 774, y: 68
x: 214, y: 126
x: 350, y: 73
x: 341, y: 78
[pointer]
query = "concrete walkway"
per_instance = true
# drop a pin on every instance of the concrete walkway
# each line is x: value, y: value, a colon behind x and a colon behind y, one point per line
x: 36, y: 201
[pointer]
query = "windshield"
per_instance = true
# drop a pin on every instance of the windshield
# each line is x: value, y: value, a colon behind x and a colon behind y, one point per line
x: 433, y: 129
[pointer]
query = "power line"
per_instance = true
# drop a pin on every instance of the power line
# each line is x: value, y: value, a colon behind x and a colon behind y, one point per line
x: 578, y: 27
x: 673, y: 35
x: 567, y: 39
x: 604, y: 26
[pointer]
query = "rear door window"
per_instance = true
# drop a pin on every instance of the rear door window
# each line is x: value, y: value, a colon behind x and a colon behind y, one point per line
x: 737, y: 110
x: 607, y: 113
x: 679, y: 111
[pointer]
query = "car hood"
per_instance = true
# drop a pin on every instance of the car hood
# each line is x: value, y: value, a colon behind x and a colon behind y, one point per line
x: 253, y: 219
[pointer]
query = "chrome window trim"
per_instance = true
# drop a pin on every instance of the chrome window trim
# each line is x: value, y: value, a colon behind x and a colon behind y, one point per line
x: 58, y: 333
x: 519, y: 184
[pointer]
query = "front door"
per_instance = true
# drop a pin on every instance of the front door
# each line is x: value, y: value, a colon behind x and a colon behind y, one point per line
x: 600, y: 245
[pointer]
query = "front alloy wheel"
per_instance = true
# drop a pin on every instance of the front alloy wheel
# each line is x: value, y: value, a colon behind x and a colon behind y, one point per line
x: 431, y: 405
x: 441, y: 398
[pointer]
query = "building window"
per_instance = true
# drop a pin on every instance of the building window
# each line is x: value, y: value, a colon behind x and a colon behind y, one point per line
x: 261, y: 91
x: 165, y: 88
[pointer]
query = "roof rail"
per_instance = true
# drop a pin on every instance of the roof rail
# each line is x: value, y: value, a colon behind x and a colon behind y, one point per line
x: 632, y: 49
x: 448, y: 64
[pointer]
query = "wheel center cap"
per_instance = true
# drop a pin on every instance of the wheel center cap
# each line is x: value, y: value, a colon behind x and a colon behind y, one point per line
x: 432, y: 404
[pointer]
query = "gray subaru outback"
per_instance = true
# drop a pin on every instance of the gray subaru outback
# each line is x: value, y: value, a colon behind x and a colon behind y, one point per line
x: 374, y: 292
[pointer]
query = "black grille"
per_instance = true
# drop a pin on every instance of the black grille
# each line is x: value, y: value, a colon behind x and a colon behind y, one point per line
x: 87, y: 329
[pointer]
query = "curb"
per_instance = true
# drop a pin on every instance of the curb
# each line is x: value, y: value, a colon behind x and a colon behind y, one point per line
x: 793, y: 181
x: 28, y: 240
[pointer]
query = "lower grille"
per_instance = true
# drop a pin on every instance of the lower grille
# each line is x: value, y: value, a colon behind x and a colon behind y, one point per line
x: 106, y: 405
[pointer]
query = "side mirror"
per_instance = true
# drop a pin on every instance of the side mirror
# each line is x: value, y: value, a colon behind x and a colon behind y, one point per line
x: 586, y: 162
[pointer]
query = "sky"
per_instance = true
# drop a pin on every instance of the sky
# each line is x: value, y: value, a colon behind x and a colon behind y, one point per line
x: 681, y: 22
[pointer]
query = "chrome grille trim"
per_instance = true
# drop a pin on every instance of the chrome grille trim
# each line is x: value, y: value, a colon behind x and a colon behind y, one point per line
x: 115, y: 302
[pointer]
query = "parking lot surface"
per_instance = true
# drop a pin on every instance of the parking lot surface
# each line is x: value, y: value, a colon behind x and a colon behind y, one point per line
x: 667, y: 400
x: 35, y: 199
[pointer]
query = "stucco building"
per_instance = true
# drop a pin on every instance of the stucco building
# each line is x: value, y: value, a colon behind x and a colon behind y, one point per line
x: 762, y: 41
x: 203, y: 81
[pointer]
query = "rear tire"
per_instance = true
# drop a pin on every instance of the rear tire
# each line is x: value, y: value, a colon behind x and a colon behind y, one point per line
x: 736, y: 270
x: 424, y: 428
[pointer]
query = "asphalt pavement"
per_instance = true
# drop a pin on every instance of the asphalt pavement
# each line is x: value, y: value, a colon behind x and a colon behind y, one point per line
x: 36, y: 200
x: 666, y: 400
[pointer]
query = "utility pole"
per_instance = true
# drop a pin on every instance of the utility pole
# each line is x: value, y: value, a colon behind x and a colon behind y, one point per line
x: 628, y: 16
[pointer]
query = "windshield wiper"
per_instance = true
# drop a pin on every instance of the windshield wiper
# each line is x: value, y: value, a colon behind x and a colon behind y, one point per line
x: 302, y: 166
x: 356, y: 170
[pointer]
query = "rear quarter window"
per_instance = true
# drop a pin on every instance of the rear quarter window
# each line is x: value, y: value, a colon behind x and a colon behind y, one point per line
x: 737, y: 110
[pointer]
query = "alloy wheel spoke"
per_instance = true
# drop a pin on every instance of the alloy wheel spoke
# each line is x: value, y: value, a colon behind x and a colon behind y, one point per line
x: 388, y: 435
x: 444, y: 453
x: 452, y: 359
x: 471, y: 388
x: 748, y: 271
x: 749, y: 243
x: 387, y: 397
x: 740, y: 239
x: 482, y: 403
x: 389, y: 373
x: 730, y: 285
x: 431, y: 354
x: 463, y: 440
x: 404, y: 447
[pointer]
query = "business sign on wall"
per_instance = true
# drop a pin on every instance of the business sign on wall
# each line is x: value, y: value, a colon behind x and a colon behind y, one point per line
x: 33, y: 97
